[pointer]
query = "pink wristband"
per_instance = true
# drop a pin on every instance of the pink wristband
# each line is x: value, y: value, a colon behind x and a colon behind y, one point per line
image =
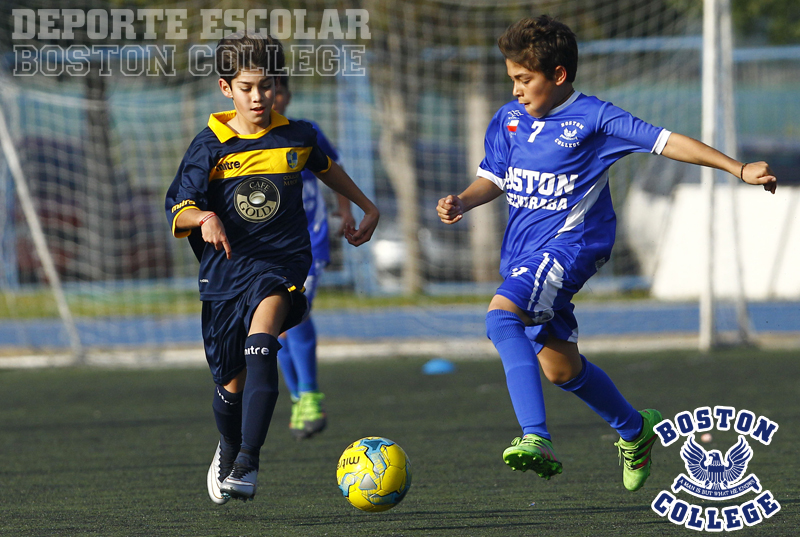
x: 207, y: 217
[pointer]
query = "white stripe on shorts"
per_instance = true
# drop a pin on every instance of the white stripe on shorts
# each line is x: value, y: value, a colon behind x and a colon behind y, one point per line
x: 552, y: 282
x: 539, y: 271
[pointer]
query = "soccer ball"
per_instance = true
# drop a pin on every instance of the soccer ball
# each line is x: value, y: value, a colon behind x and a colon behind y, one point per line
x: 374, y: 474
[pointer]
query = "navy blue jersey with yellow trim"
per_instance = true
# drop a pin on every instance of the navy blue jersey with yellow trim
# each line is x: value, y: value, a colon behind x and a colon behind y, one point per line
x: 253, y: 183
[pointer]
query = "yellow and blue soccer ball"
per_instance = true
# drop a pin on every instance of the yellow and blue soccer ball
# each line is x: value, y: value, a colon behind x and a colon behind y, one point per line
x: 374, y: 474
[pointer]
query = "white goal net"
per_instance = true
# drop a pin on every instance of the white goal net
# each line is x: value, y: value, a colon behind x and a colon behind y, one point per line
x: 99, y: 118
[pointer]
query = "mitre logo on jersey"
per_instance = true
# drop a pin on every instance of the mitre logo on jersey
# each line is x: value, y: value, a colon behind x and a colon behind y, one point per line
x: 569, y: 137
x: 257, y: 199
x: 712, y: 476
x: 234, y: 165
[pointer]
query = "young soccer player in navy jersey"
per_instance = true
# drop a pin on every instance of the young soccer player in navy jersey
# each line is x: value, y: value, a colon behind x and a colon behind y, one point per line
x: 298, y: 357
x: 237, y: 196
x: 549, y: 151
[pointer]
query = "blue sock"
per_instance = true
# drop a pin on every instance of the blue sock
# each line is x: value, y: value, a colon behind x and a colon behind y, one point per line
x: 286, y: 361
x: 303, y: 341
x: 228, y: 414
x: 260, y: 395
x: 598, y: 391
x: 507, y: 333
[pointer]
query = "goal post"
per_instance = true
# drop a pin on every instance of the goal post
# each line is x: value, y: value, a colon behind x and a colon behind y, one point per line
x: 40, y: 244
x: 719, y: 131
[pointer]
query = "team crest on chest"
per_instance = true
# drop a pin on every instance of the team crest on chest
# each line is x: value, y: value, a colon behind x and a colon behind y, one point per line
x: 257, y: 199
x: 291, y: 158
x: 570, y: 135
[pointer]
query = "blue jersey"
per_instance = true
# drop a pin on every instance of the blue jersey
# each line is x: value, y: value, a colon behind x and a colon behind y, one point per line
x: 554, y: 171
x: 314, y: 203
x: 253, y: 184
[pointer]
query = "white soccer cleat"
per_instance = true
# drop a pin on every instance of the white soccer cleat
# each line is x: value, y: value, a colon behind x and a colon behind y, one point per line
x: 213, y: 480
x: 241, y: 483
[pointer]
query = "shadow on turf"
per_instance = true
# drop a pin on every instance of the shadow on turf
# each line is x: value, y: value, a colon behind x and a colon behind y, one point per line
x: 148, y: 423
x: 506, y: 515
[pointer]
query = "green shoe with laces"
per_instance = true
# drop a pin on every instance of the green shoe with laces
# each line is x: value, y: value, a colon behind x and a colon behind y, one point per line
x: 295, y: 423
x: 635, y: 455
x: 311, y: 418
x: 532, y: 452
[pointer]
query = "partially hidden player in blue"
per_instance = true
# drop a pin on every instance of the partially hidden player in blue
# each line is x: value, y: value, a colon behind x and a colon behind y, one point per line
x: 549, y: 151
x: 298, y: 357
x: 237, y: 196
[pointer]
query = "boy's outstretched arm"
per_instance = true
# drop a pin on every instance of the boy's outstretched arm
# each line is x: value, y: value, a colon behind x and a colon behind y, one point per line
x: 452, y: 208
x: 686, y: 149
x: 338, y: 180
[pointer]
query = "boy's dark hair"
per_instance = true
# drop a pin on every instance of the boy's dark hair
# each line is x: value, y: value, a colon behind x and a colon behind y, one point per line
x: 243, y: 50
x: 541, y: 44
x: 284, y: 82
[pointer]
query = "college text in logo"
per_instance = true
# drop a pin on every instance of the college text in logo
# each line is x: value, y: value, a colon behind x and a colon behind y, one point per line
x: 710, y: 475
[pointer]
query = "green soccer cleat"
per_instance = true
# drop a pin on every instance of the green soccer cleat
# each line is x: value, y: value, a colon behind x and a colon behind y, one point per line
x: 636, y: 454
x: 295, y: 423
x: 532, y: 452
x: 308, y: 417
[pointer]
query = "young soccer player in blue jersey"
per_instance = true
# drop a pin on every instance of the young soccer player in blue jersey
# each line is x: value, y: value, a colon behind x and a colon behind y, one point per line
x: 237, y: 196
x: 298, y: 357
x: 549, y: 151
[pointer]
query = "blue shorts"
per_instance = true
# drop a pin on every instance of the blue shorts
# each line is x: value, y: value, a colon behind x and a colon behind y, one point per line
x: 543, y: 286
x: 312, y: 280
x: 227, y: 322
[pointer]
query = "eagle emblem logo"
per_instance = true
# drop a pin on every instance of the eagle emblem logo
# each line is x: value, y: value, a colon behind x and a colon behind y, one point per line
x: 570, y: 134
x: 713, y: 477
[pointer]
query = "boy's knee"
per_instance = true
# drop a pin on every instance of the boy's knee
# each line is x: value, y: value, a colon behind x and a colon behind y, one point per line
x: 261, y: 352
x: 571, y: 376
x: 559, y: 377
x: 502, y: 325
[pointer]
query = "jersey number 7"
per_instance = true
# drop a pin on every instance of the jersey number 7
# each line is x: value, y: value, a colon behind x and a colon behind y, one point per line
x: 537, y: 128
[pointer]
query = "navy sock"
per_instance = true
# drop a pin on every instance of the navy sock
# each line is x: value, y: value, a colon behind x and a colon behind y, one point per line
x: 227, y: 408
x: 260, y: 395
x: 507, y: 332
x: 597, y: 390
x: 303, y: 341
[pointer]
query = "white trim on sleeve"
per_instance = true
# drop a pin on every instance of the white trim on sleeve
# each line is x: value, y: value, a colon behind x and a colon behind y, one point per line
x: 661, y: 141
x: 486, y: 174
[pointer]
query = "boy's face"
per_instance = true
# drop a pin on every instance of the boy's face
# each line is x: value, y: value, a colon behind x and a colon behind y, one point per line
x: 253, y: 94
x: 282, y: 98
x: 534, y: 91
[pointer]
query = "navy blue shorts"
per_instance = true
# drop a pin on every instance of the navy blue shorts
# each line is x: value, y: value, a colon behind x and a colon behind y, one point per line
x: 543, y: 286
x: 227, y: 322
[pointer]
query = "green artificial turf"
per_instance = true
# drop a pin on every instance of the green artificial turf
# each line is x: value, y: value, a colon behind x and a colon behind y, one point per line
x: 105, y: 452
